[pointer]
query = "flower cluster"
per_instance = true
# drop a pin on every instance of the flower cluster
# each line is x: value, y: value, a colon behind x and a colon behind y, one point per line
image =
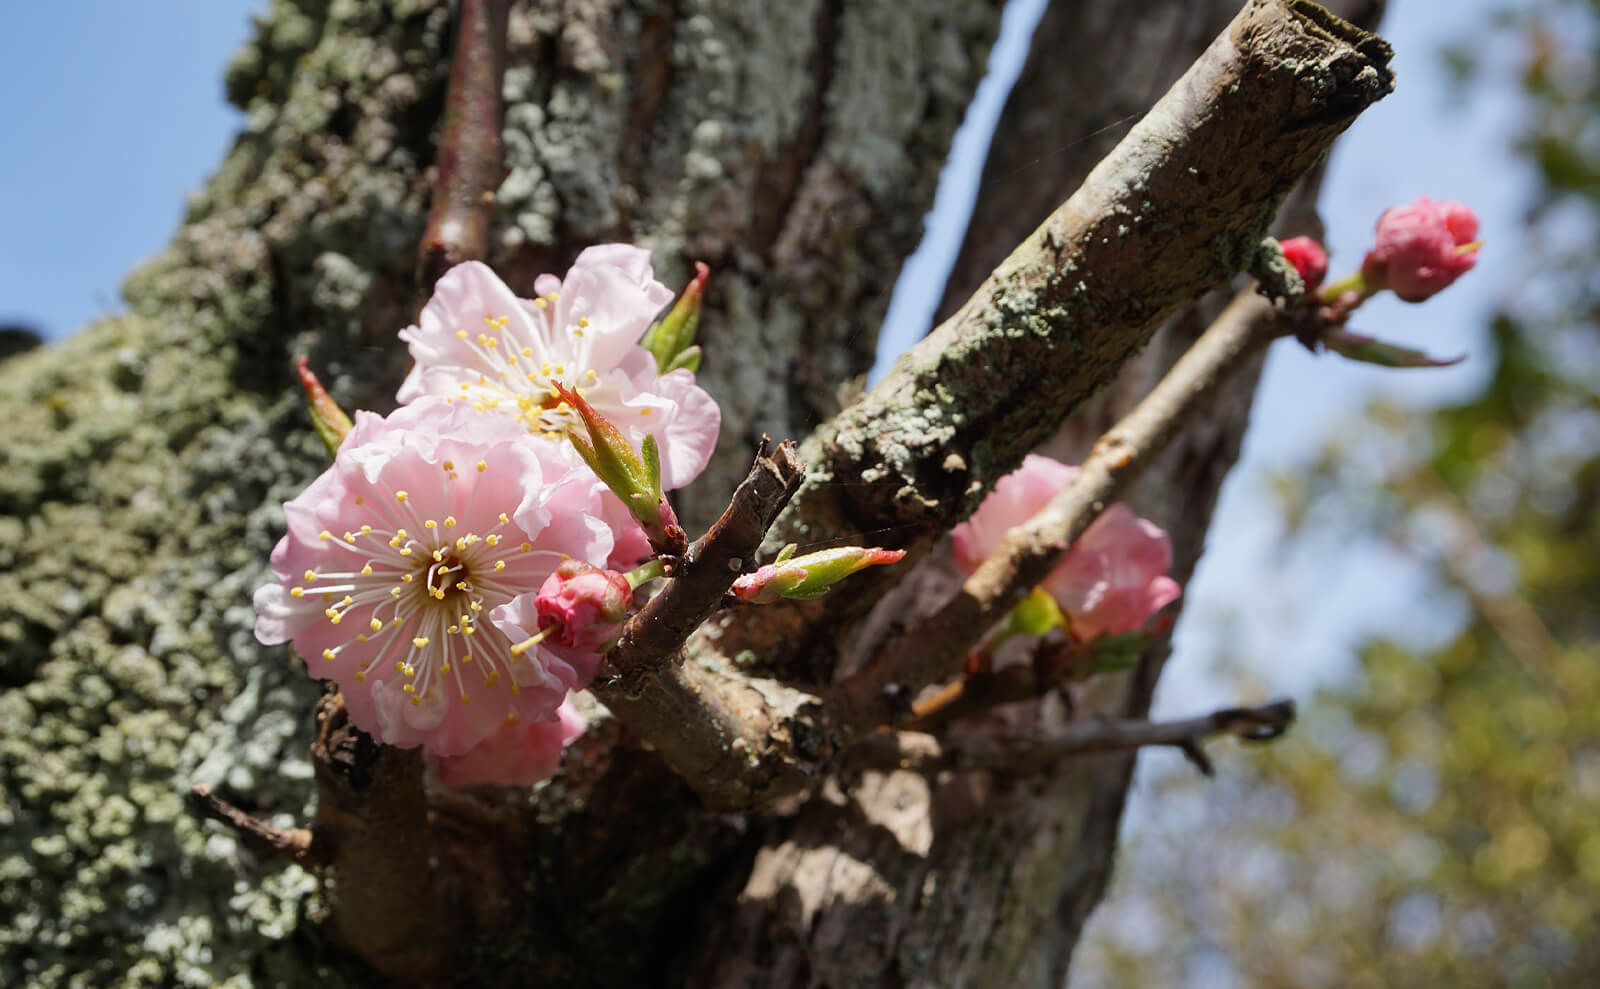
x: 1112, y: 579
x: 415, y: 568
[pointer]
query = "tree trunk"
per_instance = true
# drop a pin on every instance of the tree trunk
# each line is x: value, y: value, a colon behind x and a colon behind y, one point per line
x: 794, y: 147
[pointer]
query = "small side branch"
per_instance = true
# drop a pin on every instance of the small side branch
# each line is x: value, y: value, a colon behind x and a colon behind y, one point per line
x: 291, y: 844
x: 471, y: 162
x: 652, y: 638
x: 934, y: 649
x: 925, y: 754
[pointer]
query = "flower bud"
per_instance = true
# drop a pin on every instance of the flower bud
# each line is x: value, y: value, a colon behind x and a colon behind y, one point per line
x: 330, y: 421
x: 671, y: 337
x: 583, y: 607
x: 808, y: 576
x: 1309, y: 259
x: 1421, y: 248
x: 633, y: 478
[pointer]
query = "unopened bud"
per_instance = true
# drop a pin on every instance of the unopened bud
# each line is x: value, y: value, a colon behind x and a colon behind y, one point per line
x: 331, y: 423
x: 670, y: 339
x: 808, y: 576
x: 633, y: 477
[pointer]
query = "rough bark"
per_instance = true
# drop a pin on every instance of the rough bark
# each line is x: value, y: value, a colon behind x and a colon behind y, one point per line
x: 143, y: 462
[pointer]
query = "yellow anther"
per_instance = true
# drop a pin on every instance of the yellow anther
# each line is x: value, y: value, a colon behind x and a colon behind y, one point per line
x: 376, y: 625
x: 438, y: 556
x: 360, y: 675
x: 590, y: 376
x: 493, y: 539
x: 444, y: 668
x: 505, y: 519
x: 328, y: 654
x: 466, y: 659
x: 360, y: 500
x: 419, y: 642
x: 366, y: 570
x: 410, y: 688
x: 410, y: 670
x: 644, y: 412
x: 297, y: 592
x: 512, y: 719
x: 399, y: 496
x: 335, y: 619
x: 349, y: 537
x: 499, y: 565
x: 583, y: 322
x: 394, y: 592
x: 416, y: 701
x: 366, y: 530
x: 527, y: 351
x: 492, y: 679
x: 449, y: 521
x: 447, y: 465
x: 461, y: 334
x: 526, y: 547
x: 482, y: 466
x: 541, y: 303
x: 406, y: 578
x: 324, y: 534
x: 430, y: 524
x: 466, y: 699
x: 399, y: 666
x: 310, y: 575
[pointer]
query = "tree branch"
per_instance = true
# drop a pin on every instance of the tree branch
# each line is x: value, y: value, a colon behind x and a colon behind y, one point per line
x: 933, y: 650
x: 292, y: 845
x: 471, y: 161
x: 1177, y: 209
x: 925, y: 754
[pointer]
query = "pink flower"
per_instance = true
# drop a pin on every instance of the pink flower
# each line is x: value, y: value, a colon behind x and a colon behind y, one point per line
x: 583, y: 607
x: 429, y: 522
x: 516, y: 754
x: 1111, y: 580
x: 1417, y: 248
x: 477, y: 343
x: 1309, y: 259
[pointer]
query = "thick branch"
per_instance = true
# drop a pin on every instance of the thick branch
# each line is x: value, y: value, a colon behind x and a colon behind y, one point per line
x: 1177, y: 209
x: 471, y: 162
x: 926, y: 754
x: 934, y: 649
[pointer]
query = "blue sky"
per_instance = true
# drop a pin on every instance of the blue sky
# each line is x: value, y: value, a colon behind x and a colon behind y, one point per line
x: 118, y: 111
x: 114, y: 113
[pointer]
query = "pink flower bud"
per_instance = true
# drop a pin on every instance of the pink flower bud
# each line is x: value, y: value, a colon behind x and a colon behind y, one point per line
x: 1309, y: 259
x: 1421, y: 248
x: 808, y: 576
x: 582, y: 607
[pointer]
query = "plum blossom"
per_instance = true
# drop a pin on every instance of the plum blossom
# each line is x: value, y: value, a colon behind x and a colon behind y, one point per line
x: 1421, y: 248
x: 401, y: 559
x: 516, y: 754
x: 476, y: 343
x: 1111, y: 580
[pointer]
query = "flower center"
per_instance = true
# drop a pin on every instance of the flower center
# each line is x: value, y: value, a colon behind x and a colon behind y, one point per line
x: 523, y: 376
x: 418, y: 590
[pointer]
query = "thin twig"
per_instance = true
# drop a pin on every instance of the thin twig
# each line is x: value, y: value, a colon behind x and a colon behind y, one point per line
x: 651, y: 639
x: 934, y: 649
x: 471, y: 162
x: 295, y: 845
x: 924, y: 754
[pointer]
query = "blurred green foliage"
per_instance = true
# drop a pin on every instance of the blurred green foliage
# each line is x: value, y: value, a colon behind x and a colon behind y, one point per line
x: 1437, y: 824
